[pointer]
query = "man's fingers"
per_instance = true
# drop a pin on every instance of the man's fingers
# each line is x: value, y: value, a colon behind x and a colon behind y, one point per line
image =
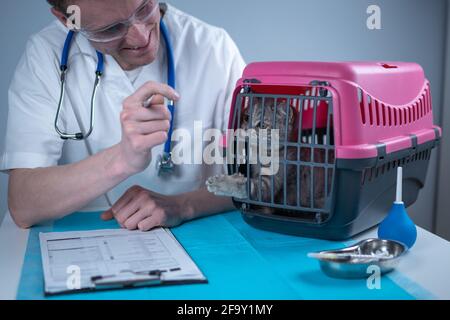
x: 156, y: 99
x: 107, y: 215
x: 155, y: 112
x: 149, y: 127
x: 150, y: 140
x: 155, y: 220
x: 124, y: 199
x: 127, y: 211
x: 132, y: 222
x: 151, y: 88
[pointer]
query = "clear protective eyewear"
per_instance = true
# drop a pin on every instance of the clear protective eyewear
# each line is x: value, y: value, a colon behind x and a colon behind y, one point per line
x: 148, y: 11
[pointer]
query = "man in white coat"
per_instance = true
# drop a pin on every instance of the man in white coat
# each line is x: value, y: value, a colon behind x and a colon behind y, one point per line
x: 115, y: 168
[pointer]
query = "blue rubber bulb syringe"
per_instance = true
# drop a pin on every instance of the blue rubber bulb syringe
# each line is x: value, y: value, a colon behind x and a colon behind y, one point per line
x: 398, y: 225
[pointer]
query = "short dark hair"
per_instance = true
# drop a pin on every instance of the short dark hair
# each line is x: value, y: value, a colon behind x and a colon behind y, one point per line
x: 60, y: 5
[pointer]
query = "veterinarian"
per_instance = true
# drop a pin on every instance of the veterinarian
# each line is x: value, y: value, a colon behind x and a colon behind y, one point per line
x: 112, y: 163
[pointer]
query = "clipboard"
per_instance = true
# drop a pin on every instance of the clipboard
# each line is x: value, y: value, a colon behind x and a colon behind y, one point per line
x: 88, y: 261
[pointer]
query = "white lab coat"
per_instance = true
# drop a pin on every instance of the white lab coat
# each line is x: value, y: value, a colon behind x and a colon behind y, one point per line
x: 207, y: 64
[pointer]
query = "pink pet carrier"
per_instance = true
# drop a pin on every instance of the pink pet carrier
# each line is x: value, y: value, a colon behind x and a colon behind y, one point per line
x: 355, y: 123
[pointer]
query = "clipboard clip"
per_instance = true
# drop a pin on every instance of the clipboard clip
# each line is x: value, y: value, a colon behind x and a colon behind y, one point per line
x: 128, y: 278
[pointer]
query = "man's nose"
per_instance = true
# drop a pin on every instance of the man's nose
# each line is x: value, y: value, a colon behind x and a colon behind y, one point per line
x: 138, y: 35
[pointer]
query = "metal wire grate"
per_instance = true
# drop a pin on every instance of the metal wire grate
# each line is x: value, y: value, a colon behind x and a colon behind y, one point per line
x: 303, y: 185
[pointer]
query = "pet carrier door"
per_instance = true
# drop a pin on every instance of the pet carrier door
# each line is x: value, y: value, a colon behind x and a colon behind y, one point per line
x: 298, y: 183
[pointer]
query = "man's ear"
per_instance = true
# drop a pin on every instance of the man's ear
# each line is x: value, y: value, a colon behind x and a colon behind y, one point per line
x: 59, y: 15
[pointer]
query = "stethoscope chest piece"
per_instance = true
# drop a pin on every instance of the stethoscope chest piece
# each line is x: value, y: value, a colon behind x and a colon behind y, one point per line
x: 165, y: 164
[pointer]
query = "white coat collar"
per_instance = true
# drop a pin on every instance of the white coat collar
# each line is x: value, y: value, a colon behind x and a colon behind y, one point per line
x: 111, y: 69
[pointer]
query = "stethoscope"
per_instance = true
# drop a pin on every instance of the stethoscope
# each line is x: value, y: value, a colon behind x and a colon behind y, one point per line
x: 165, y: 163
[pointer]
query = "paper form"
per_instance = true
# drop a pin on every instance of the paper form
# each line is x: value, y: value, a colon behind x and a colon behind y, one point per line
x: 119, y: 254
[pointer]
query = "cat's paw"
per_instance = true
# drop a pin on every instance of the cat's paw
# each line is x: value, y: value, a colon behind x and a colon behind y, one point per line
x: 230, y: 186
x: 215, y: 184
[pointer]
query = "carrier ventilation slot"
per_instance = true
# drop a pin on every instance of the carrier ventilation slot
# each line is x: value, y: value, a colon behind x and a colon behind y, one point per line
x: 376, y: 113
x: 371, y: 174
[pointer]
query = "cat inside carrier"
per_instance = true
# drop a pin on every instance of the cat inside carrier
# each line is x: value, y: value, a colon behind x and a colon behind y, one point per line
x: 336, y: 132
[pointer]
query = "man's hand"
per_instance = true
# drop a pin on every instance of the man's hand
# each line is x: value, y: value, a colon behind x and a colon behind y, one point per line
x: 142, y: 209
x: 144, y: 128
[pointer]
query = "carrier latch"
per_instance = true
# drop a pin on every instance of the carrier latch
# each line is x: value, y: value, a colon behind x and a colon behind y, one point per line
x: 247, y: 88
x: 252, y: 80
x: 322, y: 92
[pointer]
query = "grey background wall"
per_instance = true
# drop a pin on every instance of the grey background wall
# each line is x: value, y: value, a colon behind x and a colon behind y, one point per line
x: 442, y: 219
x: 327, y: 30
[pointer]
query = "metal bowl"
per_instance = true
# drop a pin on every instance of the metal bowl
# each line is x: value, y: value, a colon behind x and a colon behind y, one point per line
x: 354, y: 261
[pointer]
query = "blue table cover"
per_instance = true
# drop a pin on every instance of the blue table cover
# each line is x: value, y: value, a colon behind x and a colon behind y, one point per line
x: 240, y: 262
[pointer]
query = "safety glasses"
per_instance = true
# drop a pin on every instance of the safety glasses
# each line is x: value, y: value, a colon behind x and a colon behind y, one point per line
x: 147, y: 12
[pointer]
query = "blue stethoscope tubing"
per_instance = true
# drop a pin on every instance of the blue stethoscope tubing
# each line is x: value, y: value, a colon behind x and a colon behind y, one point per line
x: 170, y: 81
x: 65, y: 55
x: 166, y: 157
